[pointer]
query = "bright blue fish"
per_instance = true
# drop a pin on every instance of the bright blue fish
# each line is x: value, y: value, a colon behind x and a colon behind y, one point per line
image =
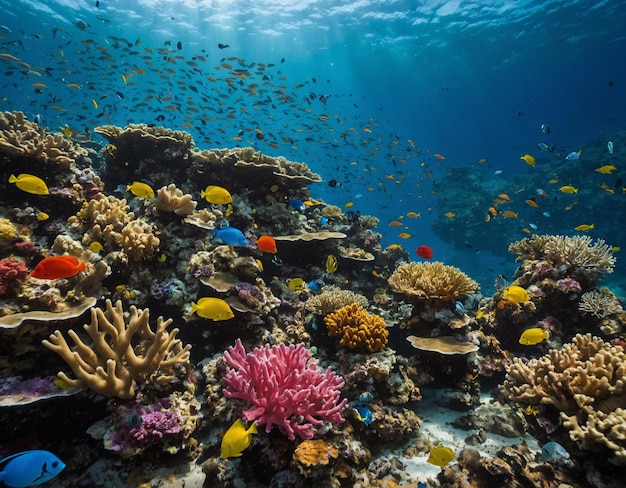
x: 553, y: 452
x: 297, y: 204
x: 364, y: 414
x: 316, y: 285
x: 323, y: 220
x: 573, y: 156
x: 29, y: 468
x: 231, y: 236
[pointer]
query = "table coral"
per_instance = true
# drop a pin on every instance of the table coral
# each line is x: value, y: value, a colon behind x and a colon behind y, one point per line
x: 585, y: 381
x: 357, y: 328
x: 431, y: 280
x: 284, y: 387
x: 124, y: 349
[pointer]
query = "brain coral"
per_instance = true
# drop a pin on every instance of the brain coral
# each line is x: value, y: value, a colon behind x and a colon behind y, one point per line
x: 357, y: 328
x: 431, y: 280
x: 333, y: 298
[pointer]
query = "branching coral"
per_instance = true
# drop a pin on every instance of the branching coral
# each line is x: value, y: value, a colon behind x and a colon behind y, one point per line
x: 585, y: 381
x: 284, y: 387
x: 333, y: 298
x: 600, y: 304
x: 357, y: 328
x: 431, y: 280
x: 123, y: 350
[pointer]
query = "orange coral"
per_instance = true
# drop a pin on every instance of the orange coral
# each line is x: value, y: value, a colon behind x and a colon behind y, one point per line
x: 314, y: 453
x: 357, y: 328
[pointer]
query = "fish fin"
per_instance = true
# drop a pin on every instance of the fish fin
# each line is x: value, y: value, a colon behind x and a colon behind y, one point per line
x: 81, y: 266
x: 12, y: 179
x: 252, y: 429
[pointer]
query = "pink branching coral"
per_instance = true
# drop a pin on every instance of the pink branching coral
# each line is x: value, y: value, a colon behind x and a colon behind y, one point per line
x: 284, y: 387
x: 12, y: 274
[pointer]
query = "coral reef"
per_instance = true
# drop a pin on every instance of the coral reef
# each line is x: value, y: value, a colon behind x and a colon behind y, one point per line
x: 172, y: 199
x: 123, y: 351
x: 357, y: 329
x: 284, y: 387
x: 12, y: 274
x: 431, y: 280
x: 584, y: 381
x: 333, y: 298
x: 600, y: 303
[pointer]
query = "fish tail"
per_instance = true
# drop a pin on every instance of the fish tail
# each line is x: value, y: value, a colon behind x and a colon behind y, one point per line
x: 202, y: 194
x: 252, y: 429
x: 194, y: 307
x: 81, y: 266
x: 12, y: 179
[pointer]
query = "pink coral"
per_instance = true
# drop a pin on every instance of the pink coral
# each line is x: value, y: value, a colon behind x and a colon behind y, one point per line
x: 284, y: 387
x: 12, y: 274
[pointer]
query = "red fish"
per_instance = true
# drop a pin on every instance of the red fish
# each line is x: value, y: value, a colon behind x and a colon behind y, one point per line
x: 55, y: 267
x: 425, y: 252
x: 267, y: 244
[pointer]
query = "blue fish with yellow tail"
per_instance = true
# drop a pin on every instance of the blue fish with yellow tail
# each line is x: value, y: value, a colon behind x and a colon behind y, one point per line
x: 363, y: 413
x: 29, y: 468
x: 231, y: 236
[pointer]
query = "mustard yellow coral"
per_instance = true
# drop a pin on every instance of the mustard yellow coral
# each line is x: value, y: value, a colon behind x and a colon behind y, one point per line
x: 357, y: 328
x: 7, y: 230
x: 431, y: 280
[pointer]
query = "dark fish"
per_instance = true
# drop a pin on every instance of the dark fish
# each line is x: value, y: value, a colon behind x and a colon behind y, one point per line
x: 79, y: 24
x: 97, y: 3
x: 160, y: 118
x: 179, y: 45
x: 334, y: 183
x: 222, y: 46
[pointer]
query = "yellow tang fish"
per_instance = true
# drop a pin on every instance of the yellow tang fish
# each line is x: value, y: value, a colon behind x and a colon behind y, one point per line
x: 585, y: 227
x: 533, y: 336
x: 212, y: 308
x: 237, y: 439
x: 296, y: 284
x: 94, y: 103
x: 607, y: 169
x: 41, y: 216
x: 440, y: 456
x: 515, y: 294
x: 216, y: 194
x: 569, y: 189
x: 331, y: 264
x: 96, y: 247
x: 140, y: 190
x: 30, y: 184
x: 529, y: 159
x: 67, y: 132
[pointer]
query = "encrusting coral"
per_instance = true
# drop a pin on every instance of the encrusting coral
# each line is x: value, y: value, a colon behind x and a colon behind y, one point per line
x: 585, y: 381
x: 333, y: 298
x: 357, y: 328
x: 431, y: 280
x: 123, y: 351
x: 171, y: 199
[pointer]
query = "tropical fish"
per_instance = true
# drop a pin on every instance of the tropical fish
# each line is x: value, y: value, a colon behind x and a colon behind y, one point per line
x: 568, y: 189
x: 96, y: 247
x: 296, y: 284
x: 366, y: 397
x: 553, y: 452
x: 532, y: 202
x: 413, y: 215
x: 404, y: 235
x: 30, y: 184
x: 363, y: 413
x: 529, y: 159
x: 585, y: 227
x: 545, y: 128
x: 331, y: 264
x: 607, y: 169
x: 134, y: 420
x: 450, y: 214
x: 67, y: 132
x: 316, y: 285
x: 515, y: 294
x: 267, y: 244
x: 140, y: 190
x: 609, y: 147
x: 573, y: 156
x: 212, y: 308
x: 440, y: 456
x: 55, y: 267
x: 231, y: 236
x: 237, y: 439
x: 425, y: 252
x: 509, y: 214
x: 29, y: 468
x: 297, y: 204
x: 439, y: 156
x: 533, y: 336
x: 41, y: 216
x: 216, y: 194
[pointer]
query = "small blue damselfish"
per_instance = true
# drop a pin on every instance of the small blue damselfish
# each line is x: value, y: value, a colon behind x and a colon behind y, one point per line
x: 29, y: 468
x: 231, y: 236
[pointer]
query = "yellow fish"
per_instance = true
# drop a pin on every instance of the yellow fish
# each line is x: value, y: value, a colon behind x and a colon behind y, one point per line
x: 515, y: 294
x: 533, y: 336
x: 607, y: 169
x: 161, y: 258
x: 237, y: 439
x: 615, y: 249
x: 41, y: 216
x: 94, y: 103
x: 569, y: 189
x: 404, y: 235
x: 96, y: 247
x: 585, y: 227
x: 216, y: 194
x: 440, y: 456
x: 331, y: 264
x: 140, y: 190
x: 414, y: 215
x: 296, y: 284
x: 212, y: 308
x: 529, y: 159
x: 30, y: 184
x: 349, y: 204
x: 67, y: 132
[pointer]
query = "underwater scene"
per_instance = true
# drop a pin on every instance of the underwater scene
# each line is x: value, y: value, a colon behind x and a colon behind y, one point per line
x: 312, y: 243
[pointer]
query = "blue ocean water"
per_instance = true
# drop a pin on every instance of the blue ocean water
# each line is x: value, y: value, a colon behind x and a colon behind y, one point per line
x: 364, y: 92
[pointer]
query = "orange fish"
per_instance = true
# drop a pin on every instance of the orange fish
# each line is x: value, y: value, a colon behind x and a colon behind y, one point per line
x: 395, y: 223
x: 439, y: 156
x: 54, y: 267
x: 404, y: 235
x: 267, y: 244
x: 450, y: 214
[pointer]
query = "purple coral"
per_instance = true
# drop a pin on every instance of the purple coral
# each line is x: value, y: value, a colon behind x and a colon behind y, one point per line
x: 249, y: 294
x: 284, y: 387
x: 12, y: 274
x: 569, y: 285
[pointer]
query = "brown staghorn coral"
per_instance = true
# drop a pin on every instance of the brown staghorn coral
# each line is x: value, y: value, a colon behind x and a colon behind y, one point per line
x: 19, y: 137
x: 585, y: 381
x: 571, y: 252
x: 171, y: 199
x: 357, y: 328
x: 333, y: 298
x: 431, y: 280
x: 123, y: 350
